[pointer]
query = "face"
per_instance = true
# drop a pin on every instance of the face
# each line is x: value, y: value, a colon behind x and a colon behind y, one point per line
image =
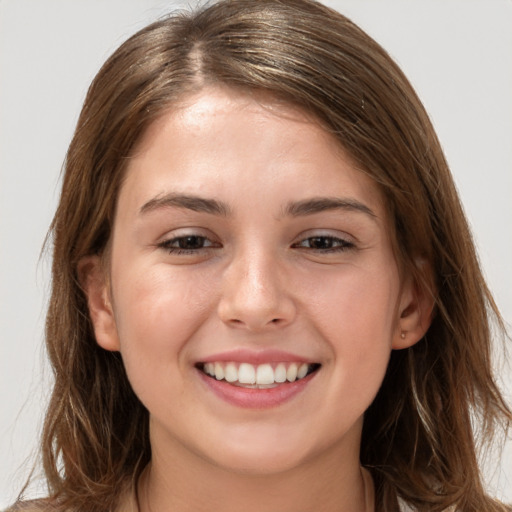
x: 254, y: 295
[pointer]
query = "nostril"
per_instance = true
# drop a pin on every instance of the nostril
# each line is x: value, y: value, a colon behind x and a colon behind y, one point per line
x: 236, y: 321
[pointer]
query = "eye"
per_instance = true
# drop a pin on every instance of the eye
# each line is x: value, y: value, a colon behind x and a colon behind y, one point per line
x: 187, y: 244
x: 324, y: 243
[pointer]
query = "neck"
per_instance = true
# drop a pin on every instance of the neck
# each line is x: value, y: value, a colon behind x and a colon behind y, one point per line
x: 331, y: 482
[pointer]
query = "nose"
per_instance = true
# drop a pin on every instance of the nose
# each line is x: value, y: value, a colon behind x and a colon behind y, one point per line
x: 255, y: 294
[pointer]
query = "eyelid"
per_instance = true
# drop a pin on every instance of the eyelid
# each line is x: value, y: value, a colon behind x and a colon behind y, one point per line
x: 174, y: 236
x: 185, y: 231
x: 209, y: 243
x: 327, y: 233
x: 337, y: 242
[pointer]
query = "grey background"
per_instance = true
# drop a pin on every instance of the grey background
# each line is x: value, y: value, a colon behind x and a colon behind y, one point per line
x: 457, y: 53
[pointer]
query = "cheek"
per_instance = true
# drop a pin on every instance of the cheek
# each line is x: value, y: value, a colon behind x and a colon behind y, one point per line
x: 157, y: 312
x: 356, y: 313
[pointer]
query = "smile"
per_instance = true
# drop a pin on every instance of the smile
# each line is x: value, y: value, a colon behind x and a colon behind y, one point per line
x: 261, y: 376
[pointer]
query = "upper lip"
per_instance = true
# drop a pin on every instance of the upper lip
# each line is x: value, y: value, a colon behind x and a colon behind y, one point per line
x: 256, y: 357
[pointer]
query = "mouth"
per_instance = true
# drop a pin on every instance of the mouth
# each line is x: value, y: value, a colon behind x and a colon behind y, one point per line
x: 261, y: 376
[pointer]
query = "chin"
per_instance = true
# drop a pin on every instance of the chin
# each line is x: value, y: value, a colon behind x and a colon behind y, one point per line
x: 266, y: 451
x: 258, y: 462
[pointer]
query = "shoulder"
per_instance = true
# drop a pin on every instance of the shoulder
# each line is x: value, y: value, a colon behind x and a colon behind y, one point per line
x: 31, y: 506
x: 403, y: 506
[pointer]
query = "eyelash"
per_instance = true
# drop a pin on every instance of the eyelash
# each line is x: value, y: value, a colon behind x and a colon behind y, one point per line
x: 167, y: 244
x: 335, y: 244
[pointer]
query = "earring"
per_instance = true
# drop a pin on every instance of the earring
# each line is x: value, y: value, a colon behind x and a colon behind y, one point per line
x: 402, y: 335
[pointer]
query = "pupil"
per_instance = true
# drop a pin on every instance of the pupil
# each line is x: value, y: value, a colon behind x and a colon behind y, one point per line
x: 321, y: 243
x: 191, y: 242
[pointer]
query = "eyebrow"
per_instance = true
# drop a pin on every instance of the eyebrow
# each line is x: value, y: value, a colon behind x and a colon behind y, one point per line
x: 189, y: 202
x: 322, y: 204
x: 292, y: 209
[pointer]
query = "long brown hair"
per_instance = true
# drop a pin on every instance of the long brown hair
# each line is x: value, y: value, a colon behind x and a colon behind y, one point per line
x: 418, y: 439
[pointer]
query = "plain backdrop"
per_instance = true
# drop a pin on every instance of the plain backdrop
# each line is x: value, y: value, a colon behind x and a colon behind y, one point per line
x: 457, y: 53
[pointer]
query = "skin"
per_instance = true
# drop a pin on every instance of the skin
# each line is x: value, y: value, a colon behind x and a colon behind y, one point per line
x: 254, y: 279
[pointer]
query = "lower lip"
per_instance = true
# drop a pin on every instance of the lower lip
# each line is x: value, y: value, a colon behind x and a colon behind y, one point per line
x: 251, y: 398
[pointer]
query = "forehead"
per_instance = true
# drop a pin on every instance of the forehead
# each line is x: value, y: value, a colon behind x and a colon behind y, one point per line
x: 219, y: 104
x: 220, y: 140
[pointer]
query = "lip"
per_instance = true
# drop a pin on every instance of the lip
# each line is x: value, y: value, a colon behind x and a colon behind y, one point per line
x: 255, y: 357
x: 251, y: 398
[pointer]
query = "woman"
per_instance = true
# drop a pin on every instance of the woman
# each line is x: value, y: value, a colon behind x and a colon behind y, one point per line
x: 263, y: 277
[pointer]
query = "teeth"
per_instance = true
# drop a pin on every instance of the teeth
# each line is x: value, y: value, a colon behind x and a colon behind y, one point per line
x: 219, y: 371
x: 302, y: 371
x: 231, y: 373
x: 246, y: 374
x: 263, y: 375
x: 291, y: 373
x: 280, y: 373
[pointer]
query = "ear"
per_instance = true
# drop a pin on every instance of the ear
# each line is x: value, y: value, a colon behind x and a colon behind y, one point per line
x: 94, y: 282
x: 415, y: 309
